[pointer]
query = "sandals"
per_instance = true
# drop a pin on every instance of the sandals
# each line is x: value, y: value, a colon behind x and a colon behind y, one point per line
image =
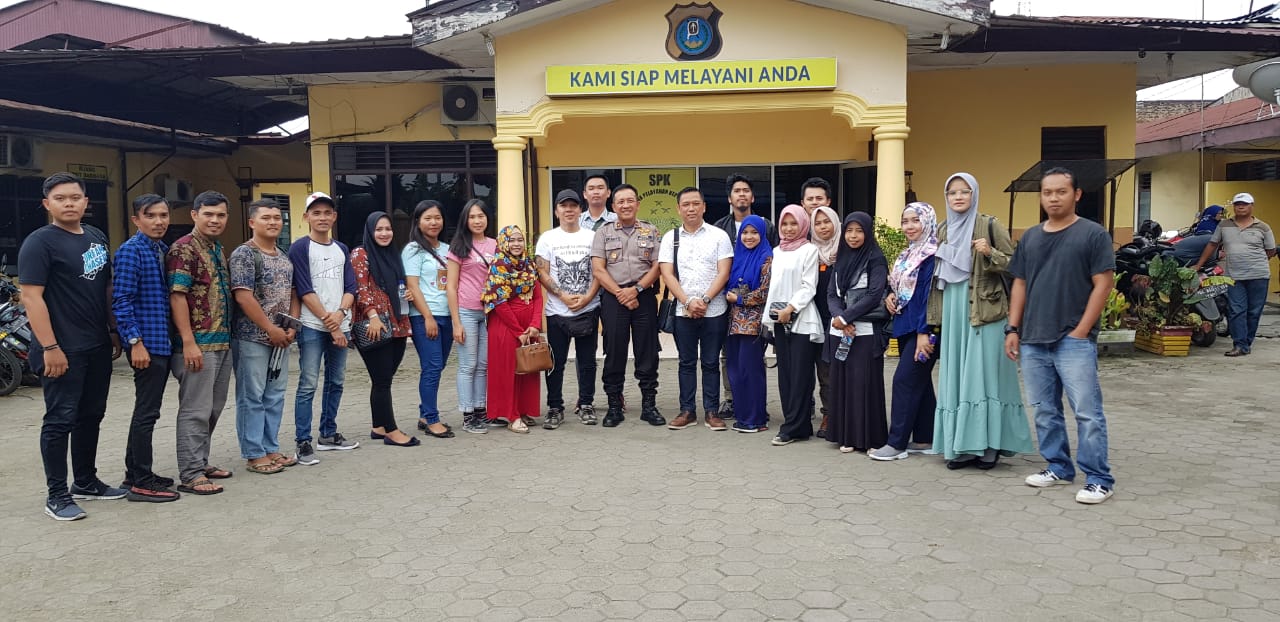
x: 264, y: 468
x: 285, y: 461
x: 527, y: 420
x: 846, y: 450
x: 213, y: 472
x: 200, y: 486
x: 518, y: 426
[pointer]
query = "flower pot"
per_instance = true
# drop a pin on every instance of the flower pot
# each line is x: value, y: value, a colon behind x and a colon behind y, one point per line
x: 1168, y: 341
x: 1116, y: 342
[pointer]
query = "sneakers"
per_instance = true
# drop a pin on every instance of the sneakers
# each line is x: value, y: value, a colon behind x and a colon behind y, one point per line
x: 726, y: 409
x: 921, y: 448
x: 887, y: 453
x: 1093, y: 493
x: 1045, y: 479
x: 555, y: 416
x: 586, y: 414
x: 336, y: 443
x: 98, y: 490
x: 739, y: 427
x: 780, y: 440
x: 473, y: 423
x: 63, y: 510
x: 684, y: 420
x: 307, y: 454
x: 715, y: 423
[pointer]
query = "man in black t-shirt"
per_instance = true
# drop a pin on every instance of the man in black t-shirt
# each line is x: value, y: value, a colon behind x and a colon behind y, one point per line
x: 65, y: 272
x: 1062, y: 272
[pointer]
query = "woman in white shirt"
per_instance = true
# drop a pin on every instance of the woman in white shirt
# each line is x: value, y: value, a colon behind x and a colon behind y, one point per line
x: 793, y: 317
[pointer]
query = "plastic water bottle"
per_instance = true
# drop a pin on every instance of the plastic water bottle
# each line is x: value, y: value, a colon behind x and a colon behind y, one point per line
x: 404, y: 299
x: 842, y: 350
x: 921, y: 357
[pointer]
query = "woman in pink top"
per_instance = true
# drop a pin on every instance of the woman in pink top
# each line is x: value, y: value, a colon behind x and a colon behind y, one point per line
x: 470, y: 254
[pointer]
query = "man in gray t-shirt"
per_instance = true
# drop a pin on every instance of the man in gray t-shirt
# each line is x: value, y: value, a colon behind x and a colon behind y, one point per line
x: 1062, y: 273
x: 1249, y: 245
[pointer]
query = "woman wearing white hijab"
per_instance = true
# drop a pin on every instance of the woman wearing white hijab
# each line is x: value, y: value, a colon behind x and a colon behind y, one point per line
x: 980, y: 415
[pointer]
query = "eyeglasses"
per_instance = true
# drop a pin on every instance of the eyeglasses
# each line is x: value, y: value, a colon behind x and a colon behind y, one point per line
x: 959, y: 193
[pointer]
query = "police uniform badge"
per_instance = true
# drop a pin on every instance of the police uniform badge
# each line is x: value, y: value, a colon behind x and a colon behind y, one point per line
x: 693, y: 31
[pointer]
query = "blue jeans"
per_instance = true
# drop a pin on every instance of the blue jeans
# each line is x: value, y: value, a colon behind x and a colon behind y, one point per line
x: 1069, y: 365
x: 433, y: 355
x: 312, y: 346
x: 259, y: 401
x: 700, y: 341
x: 473, y: 361
x: 1247, y: 298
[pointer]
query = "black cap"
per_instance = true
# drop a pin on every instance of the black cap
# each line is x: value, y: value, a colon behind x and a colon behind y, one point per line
x: 568, y: 195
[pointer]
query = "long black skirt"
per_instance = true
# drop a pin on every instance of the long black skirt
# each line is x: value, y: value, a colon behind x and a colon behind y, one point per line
x: 858, y: 416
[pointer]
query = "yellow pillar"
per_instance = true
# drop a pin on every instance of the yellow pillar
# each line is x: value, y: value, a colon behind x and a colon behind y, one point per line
x: 891, y: 168
x: 511, y: 193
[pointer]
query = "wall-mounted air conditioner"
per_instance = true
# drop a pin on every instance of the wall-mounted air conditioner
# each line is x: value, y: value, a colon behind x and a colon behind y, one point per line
x: 468, y: 103
x: 17, y: 151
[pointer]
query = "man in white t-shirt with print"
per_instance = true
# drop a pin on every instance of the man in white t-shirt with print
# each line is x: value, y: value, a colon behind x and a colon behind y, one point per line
x: 326, y: 284
x: 572, y: 308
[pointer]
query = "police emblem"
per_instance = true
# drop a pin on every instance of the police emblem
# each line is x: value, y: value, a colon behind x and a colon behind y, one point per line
x: 693, y: 31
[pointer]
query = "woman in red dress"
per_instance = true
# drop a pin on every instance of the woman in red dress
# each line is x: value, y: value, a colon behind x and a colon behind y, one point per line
x: 513, y: 301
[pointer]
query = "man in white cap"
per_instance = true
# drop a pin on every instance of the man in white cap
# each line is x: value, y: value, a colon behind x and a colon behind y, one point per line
x: 1249, y: 245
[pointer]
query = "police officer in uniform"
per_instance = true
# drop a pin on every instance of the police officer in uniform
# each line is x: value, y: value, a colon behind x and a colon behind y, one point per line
x: 624, y: 261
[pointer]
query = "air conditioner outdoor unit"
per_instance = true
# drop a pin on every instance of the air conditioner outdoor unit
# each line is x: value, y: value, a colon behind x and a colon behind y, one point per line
x: 173, y: 189
x: 17, y: 151
x: 468, y: 103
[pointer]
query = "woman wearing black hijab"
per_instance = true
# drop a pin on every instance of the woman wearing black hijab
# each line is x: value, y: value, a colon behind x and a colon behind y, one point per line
x: 855, y: 348
x: 379, y: 280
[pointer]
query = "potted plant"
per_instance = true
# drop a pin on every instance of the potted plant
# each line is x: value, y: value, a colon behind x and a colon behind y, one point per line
x: 1114, y: 337
x: 892, y: 241
x: 1163, y: 303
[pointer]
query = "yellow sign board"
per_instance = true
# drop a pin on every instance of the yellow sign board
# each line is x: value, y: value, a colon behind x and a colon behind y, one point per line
x: 698, y: 77
x: 658, y: 188
x: 88, y: 172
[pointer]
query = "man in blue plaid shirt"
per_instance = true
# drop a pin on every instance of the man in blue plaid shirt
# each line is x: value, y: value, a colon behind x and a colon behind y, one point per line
x: 140, y: 301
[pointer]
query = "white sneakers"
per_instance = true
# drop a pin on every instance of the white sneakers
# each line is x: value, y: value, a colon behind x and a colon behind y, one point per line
x: 1091, y: 494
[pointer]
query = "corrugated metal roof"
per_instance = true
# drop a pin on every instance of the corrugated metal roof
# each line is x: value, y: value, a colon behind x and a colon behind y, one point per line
x: 1241, y: 112
x: 109, y: 24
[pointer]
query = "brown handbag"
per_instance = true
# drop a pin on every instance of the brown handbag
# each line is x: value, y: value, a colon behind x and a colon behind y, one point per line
x: 534, y: 357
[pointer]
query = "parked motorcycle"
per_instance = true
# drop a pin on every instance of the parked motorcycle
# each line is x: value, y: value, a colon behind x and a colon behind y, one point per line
x: 15, y: 333
x: 1210, y: 301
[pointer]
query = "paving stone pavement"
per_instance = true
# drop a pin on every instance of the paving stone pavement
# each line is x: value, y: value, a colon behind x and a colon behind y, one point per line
x: 587, y: 523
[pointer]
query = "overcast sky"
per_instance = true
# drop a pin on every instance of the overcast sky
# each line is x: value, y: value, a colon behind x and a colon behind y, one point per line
x: 296, y: 20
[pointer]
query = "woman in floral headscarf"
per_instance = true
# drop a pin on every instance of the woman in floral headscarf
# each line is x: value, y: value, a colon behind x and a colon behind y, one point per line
x: 513, y: 301
x: 910, y: 278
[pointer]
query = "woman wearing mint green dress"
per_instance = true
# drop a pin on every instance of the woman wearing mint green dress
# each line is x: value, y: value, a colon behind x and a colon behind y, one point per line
x: 980, y: 416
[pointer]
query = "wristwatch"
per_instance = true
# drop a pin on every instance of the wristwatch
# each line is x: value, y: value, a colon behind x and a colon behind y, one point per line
x: 706, y: 299
x: 639, y: 288
x: 133, y: 341
x: 1011, y: 330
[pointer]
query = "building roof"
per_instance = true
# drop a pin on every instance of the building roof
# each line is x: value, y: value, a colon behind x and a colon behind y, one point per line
x: 89, y: 128
x: 1235, y: 113
x: 88, y: 24
x: 227, y: 91
x: 1243, y: 126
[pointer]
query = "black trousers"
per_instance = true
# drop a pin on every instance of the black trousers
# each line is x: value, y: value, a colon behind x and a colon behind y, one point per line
x: 75, y: 404
x: 382, y: 364
x: 558, y: 338
x: 913, y: 398
x: 795, y: 383
x: 148, y: 387
x: 637, y: 329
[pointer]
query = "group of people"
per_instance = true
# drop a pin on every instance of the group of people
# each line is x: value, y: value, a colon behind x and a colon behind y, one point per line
x: 818, y: 289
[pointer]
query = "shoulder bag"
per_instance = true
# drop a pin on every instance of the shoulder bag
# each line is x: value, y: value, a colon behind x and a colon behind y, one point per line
x: 877, y: 313
x: 1005, y: 280
x: 667, y: 310
x: 533, y: 357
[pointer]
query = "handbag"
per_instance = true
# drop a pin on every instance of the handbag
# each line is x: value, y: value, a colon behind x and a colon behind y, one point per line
x: 877, y: 313
x: 360, y: 334
x: 776, y: 308
x: 533, y: 357
x: 1006, y: 281
x: 667, y: 309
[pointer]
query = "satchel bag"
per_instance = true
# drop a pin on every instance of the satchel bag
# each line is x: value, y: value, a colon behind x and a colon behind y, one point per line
x: 667, y: 309
x: 877, y: 313
x: 582, y: 325
x: 533, y: 357
x: 360, y: 334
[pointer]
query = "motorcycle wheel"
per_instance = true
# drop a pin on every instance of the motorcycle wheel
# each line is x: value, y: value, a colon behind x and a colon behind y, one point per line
x: 1204, y: 338
x: 1222, y: 329
x: 10, y: 372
